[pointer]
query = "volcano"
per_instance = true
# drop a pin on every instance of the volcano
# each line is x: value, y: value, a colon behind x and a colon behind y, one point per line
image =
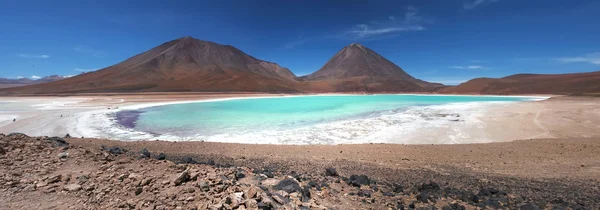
x: 357, y: 68
x: 184, y: 64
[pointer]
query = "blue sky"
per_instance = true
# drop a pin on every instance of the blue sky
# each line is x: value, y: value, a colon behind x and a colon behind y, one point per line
x: 448, y: 41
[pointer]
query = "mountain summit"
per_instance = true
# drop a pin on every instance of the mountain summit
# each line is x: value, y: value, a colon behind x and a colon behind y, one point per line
x: 358, y: 68
x: 184, y: 64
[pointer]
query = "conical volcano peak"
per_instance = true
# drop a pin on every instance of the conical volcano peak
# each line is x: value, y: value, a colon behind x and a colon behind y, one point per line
x: 356, y: 45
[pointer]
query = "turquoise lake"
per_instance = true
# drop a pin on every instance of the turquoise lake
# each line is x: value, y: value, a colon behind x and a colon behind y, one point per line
x: 289, y: 117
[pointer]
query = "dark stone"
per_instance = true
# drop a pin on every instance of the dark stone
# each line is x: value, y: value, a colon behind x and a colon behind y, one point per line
x: 57, y: 141
x: 188, y: 160
x: 114, y: 150
x: 306, y: 194
x: 266, y: 189
x: 161, y: 156
x: 264, y: 206
x: 240, y: 175
x: 493, y: 203
x: 67, y: 136
x: 374, y: 188
x: 454, y: 206
x: 411, y: 205
x: 210, y: 162
x: 529, y: 206
x: 423, y: 197
x: 138, y: 190
x: 331, y: 172
x: 466, y: 196
x: 288, y: 185
x: 398, y: 189
x: 400, y: 206
x: 365, y: 193
x: 313, y: 184
x: 359, y: 180
x: 280, y: 199
x: 144, y: 153
x: 388, y: 194
x: 475, y: 199
x: 431, y: 186
x: 268, y: 174
x: 17, y: 134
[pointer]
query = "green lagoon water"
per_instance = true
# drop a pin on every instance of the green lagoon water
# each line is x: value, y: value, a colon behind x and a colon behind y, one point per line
x: 296, y: 119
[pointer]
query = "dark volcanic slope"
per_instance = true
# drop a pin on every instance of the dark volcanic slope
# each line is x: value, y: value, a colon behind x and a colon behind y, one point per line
x: 185, y: 64
x: 575, y: 83
x: 358, y: 68
x: 7, y: 83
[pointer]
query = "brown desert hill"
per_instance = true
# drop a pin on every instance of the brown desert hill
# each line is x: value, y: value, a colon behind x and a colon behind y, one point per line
x: 574, y: 83
x: 7, y: 83
x: 358, y: 68
x: 184, y: 64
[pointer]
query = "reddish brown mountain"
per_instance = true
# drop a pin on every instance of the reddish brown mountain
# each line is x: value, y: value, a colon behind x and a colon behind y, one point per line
x: 358, y: 68
x: 185, y: 64
x: 576, y: 83
x: 7, y: 83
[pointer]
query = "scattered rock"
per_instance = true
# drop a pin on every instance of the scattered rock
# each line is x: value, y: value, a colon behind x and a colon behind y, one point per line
x: 280, y: 198
x: 330, y: 172
x: 114, y: 150
x: 431, y: 186
x: 144, y: 153
x: 58, y: 142
x: 204, y: 186
x: 288, y: 185
x: 365, y: 193
x: 251, y: 204
x: 72, y: 187
x: 183, y: 177
x: 251, y: 192
x: 529, y: 206
x: 359, y: 180
x: 388, y: 194
x: 423, y: 197
x: 138, y: 190
x: 63, y: 155
x: 161, y: 156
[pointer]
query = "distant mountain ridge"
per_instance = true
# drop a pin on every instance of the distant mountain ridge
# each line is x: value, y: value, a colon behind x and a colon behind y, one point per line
x: 573, y: 83
x: 6, y: 83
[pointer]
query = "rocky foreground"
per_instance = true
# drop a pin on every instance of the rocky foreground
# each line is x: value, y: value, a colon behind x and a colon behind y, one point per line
x: 49, y: 173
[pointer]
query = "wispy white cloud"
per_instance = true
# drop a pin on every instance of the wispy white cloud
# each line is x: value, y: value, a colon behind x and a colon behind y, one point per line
x: 412, y: 21
x: 476, y: 3
x: 84, y: 70
x: 67, y: 76
x: 466, y: 67
x: 592, y: 58
x: 88, y: 50
x: 19, y: 77
x: 35, y: 77
x: 25, y: 55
